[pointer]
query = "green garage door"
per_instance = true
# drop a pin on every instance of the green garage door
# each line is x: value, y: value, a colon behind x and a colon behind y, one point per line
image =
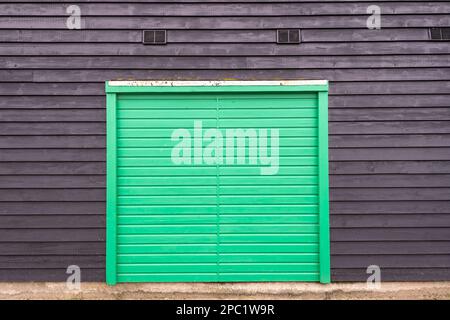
x: 217, y: 182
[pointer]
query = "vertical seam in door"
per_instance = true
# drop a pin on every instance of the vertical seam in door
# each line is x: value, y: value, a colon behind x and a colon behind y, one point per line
x: 217, y: 198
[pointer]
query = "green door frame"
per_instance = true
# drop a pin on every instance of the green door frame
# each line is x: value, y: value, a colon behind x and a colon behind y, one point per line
x: 113, y: 88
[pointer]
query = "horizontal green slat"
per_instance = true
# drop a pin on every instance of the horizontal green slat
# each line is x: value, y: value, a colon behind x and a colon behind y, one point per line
x: 210, y: 219
x: 213, y: 96
x: 200, y: 114
x: 164, y: 191
x: 211, y: 171
x: 270, y: 218
x: 165, y: 277
x: 269, y: 102
x: 269, y: 267
x: 166, y: 248
x: 166, y: 258
x: 166, y: 181
x: 150, y: 102
x: 267, y: 228
x: 269, y: 190
x: 167, y: 161
x: 269, y: 248
x: 270, y: 276
x: 164, y: 133
x: 268, y: 180
x: 165, y: 229
x: 223, y: 258
x: 239, y: 199
x: 256, y: 171
x: 224, y: 229
x: 272, y: 209
x: 166, y: 171
x: 174, y: 210
x: 191, y: 113
x: 154, y: 239
x: 163, y: 123
x: 268, y: 238
x: 268, y: 257
x: 167, y: 268
x: 167, y: 142
x: 166, y: 219
x: 160, y: 200
x: 266, y: 123
x: 270, y: 112
x: 167, y: 152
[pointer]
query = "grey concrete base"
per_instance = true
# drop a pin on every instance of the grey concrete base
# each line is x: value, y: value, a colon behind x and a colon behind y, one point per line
x: 392, y: 290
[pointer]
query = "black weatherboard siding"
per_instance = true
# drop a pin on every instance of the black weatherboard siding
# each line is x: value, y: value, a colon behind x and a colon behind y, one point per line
x: 389, y: 119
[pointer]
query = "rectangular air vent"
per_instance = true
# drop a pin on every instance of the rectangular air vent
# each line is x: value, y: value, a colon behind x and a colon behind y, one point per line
x: 154, y: 37
x: 288, y: 36
x: 440, y: 33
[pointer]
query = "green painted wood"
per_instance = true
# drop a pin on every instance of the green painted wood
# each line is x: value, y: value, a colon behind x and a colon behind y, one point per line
x: 111, y: 180
x: 216, y: 222
x: 323, y: 190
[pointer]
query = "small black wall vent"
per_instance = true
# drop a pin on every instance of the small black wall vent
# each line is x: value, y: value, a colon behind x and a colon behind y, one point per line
x: 154, y: 37
x: 288, y: 36
x: 440, y: 33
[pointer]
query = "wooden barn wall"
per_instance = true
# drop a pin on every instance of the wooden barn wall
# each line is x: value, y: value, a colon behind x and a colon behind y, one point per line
x: 389, y: 119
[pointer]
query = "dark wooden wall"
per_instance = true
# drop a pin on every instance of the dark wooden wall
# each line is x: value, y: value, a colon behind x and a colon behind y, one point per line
x: 389, y: 119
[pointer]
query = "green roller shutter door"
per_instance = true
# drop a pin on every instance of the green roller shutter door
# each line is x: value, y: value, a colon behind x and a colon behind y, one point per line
x: 218, y: 220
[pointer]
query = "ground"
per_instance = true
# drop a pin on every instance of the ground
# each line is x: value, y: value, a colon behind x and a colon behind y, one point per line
x: 391, y: 290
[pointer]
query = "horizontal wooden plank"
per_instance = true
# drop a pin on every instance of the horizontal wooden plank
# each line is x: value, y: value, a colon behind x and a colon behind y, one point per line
x: 389, y: 127
x: 389, y: 220
x: 393, y: 274
x: 390, y: 261
x: 389, y: 194
x: 60, y: 128
x: 53, y: 168
x: 53, y: 155
x: 16, y: 76
x: 385, y: 140
x: 52, y: 235
x: 212, y: 22
x: 343, y: 101
x: 392, y: 207
x: 52, y: 221
x: 241, y: 62
x: 52, y: 115
x: 389, y: 180
x: 363, y: 35
x: 218, y: 9
x: 57, y: 275
x: 390, y: 234
x: 53, y: 207
x: 390, y: 247
x: 51, y: 261
x: 52, y: 181
x: 336, y: 88
x: 380, y: 167
x: 221, y: 49
x: 53, y: 102
x: 389, y: 114
x: 215, y: 36
x: 33, y: 195
x: 373, y: 154
x: 53, y: 248
x: 68, y: 142
x: 388, y: 101
x: 396, y: 74
x: 390, y: 87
